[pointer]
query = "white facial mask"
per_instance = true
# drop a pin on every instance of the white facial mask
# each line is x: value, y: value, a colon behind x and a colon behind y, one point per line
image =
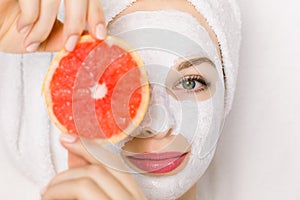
x: 162, y: 38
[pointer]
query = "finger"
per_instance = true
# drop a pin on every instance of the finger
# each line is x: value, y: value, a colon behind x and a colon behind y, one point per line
x: 43, y: 26
x: 80, y: 189
x: 75, y: 160
x: 55, y: 40
x: 82, y: 147
x: 74, y: 144
x: 76, y: 14
x: 96, y: 20
x: 30, y: 11
x: 100, y: 175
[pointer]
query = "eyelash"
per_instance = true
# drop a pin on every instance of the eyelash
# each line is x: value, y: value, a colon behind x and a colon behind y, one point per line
x: 197, y: 78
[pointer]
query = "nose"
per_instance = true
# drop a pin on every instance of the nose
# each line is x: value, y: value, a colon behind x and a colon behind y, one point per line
x: 148, y: 132
x: 159, y: 119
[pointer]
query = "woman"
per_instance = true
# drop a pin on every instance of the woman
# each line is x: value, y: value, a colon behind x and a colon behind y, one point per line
x: 190, y: 50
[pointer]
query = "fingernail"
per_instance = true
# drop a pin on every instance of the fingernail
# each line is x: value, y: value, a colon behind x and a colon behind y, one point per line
x: 100, y: 32
x: 33, y: 47
x: 68, y: 138
x: 24, y: 30
x: 71, y: 42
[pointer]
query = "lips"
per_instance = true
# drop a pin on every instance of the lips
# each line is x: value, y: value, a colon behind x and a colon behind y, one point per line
x: 157, y: 163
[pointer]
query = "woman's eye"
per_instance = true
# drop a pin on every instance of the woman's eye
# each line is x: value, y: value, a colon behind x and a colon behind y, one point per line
x: 191, y: 83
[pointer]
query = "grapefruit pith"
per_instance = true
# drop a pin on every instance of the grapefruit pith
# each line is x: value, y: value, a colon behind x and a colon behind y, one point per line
x: 98, y: 91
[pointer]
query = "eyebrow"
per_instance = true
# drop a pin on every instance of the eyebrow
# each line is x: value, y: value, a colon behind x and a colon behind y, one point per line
x: 194, y: 61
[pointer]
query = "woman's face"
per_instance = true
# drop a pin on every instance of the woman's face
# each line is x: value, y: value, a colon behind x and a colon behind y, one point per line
x: 162, y: 143
x: 174, y: 144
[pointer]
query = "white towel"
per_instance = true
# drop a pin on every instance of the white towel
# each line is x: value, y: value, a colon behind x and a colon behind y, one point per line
x: 25, y: 130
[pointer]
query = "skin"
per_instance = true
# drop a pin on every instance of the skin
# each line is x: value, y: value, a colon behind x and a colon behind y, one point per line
x: 33, y: 24
x: 94, y: 179
x: 25, y: 22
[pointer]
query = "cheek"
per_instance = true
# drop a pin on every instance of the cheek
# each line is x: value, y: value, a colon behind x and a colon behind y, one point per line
x: 200, y: 122
x: 216, y: 120
x: 194, y: 120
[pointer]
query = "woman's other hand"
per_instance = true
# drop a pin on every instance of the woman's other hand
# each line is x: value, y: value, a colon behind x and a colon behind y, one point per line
x: 90, y: 179
x: 32, y: 25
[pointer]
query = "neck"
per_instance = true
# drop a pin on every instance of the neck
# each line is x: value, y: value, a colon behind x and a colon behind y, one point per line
x: 190, y: 194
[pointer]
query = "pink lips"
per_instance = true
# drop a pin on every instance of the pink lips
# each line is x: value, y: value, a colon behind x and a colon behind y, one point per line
x: 157, y: 163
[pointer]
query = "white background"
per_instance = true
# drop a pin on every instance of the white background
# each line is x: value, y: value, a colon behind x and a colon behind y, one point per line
x: 258, y: 156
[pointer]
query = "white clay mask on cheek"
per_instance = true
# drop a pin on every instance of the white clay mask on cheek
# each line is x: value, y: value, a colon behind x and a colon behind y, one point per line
x: 161, y: 38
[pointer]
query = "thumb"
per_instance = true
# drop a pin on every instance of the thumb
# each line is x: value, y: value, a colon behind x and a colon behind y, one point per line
x: 77, y: 154
x: 75, y: 161
x: 89, y: 150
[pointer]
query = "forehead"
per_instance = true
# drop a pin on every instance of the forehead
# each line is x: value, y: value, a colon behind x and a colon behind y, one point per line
x: 171, y: 30
x: 164, y: 37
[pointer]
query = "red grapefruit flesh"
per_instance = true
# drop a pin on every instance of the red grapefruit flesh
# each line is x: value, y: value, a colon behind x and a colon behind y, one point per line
x: 98, y: 91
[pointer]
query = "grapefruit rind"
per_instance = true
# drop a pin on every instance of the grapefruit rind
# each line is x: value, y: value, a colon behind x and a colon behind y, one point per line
x: 144, y: 88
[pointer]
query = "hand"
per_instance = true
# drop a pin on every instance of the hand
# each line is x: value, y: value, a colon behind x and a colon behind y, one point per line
x: 92, y: 180
x: 32, y: 25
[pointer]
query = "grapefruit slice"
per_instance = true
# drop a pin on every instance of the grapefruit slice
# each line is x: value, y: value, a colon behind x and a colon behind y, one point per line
x: 98, y: 91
